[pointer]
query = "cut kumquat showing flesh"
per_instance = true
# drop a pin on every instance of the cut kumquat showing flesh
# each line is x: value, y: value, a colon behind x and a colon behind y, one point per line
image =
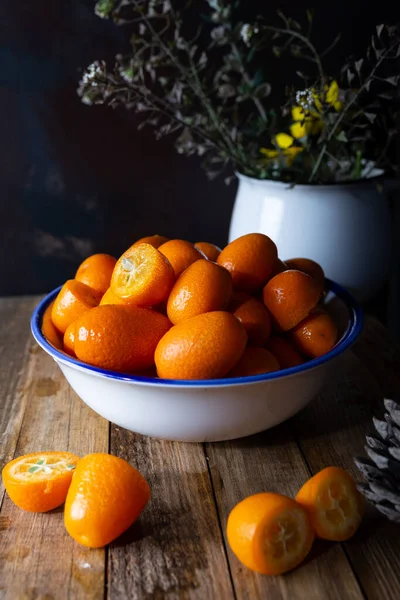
x: 333, y: 503
x: 142, y: 276
x: 269, y: 533
x: 106, y: 496
x: 39, y: 482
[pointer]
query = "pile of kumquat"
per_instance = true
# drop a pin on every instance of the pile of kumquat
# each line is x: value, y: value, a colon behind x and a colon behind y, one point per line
x: 177, y: 310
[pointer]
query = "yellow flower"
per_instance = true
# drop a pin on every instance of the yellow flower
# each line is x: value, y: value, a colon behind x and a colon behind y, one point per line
x: 289, y: 153
x: 332, y: 96
x: 305, y: 123
x: 283, y: 140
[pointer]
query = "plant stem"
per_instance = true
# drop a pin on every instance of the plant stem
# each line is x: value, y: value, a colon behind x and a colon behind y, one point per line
x: 247, y: 79
x: 346, y: 108
x: 305, y: 41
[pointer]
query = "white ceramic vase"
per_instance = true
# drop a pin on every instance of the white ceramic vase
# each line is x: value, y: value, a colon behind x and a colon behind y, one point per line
x: 344, y: 227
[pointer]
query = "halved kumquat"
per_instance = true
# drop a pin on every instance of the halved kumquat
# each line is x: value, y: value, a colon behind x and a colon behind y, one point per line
x: 39, y: 482
x: 269, y: 533
x: 142, y: 276
x: 333, y: 503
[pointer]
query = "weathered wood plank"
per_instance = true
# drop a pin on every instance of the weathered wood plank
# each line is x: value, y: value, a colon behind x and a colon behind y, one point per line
x: 271, y: 461
x: 331, y: 431
x: 38, y: 559
x: 15, y: 345
x: 175, y: 550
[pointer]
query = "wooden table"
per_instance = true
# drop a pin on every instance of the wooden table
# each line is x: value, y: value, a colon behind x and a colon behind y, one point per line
x: 177, y: 549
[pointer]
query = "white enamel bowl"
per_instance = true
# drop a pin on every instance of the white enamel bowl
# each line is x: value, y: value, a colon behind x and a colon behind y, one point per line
x: 209, y: 410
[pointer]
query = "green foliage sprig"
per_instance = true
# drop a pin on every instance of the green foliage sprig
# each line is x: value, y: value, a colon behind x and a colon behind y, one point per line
x: 208, y: 86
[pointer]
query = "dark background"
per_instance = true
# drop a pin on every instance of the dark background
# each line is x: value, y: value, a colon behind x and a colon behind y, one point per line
x: 75, y: 180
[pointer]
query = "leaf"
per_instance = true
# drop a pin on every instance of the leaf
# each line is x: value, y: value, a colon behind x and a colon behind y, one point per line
x: 342, y: 137
x: 370, y: 116
x: 262, y: 91
x: 350, y: 76
x: 379, y: 29
x: 358, y: 66
x: 276, y: 50
x: 393, y: 80
x: 310, y: 14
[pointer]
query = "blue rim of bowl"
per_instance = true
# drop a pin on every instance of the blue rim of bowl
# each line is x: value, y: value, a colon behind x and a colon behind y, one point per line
x: 349, y: 337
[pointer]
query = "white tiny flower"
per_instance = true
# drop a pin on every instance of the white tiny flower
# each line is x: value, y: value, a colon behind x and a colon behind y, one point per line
x: 246, y: 33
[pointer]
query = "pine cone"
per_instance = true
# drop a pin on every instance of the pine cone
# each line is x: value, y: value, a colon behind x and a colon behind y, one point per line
x: 382, y: 471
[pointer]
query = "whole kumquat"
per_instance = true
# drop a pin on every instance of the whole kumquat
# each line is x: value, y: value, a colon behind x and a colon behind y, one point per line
x: 250, y: 259
x: 39, y: 482
x: 316, y: 334
x: 74, y: 299
x: 284, y: 351
x: 333, y: 503
x: 181, y: 254
x: 142, y: 276
x: 96, y: 271
x: 255, y: 361
x: 49, y: 330
x: 119, y: 338
x: 312, y: 268
x: 106, y: 496
x: 269, y: 533
x: 154, y: 240
x: 211, y: 251
x: 69, y: 339
x: 203, y: 287
x: 204, y: 347
x: 289, y: 297
x: 253, y: 316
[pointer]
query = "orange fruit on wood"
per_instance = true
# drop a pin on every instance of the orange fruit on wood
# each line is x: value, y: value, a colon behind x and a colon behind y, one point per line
x: 74, y: 299
x: 269, y: 533
x: 316, y: 334
x: 106, y: 496
x: 96, y: 272
x: 203, y: 347
x: 255, y: 361
x: 154, y: 240
x: 211, y: 251
x: 142, y: 276
x: 284, y: 351
x: 119, y: 338
x: 181, y: 254
x: 312, y: 268
x: 39, y: 481
x: 250, y: 259
x: 290, y: 296
x: 333, y: 503
x: 253, y: 316
x: 69, y: 339
x: 203, y: 287
x: 49, y: 330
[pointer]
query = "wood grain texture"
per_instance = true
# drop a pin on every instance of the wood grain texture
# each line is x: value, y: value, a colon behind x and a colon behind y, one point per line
x: 175, y: 550
x: 38, y: 559
x: 15, y: 345
x: 271, y: 461
x: 331, y: 431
